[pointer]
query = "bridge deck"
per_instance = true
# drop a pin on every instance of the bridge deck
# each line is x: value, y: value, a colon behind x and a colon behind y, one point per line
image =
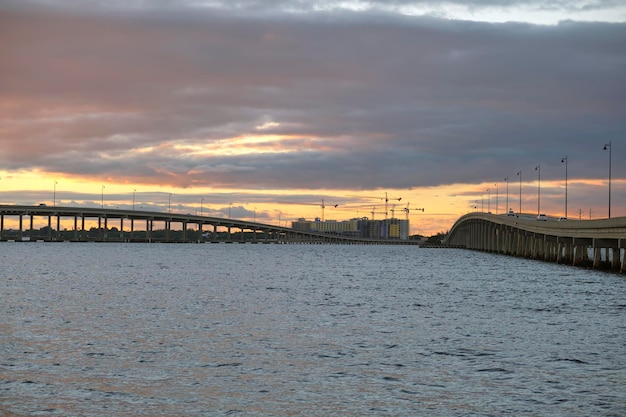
x: 563, y: 242
x: 249, y: 231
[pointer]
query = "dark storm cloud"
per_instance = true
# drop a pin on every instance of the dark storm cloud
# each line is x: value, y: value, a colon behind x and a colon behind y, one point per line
x: 373, y: 99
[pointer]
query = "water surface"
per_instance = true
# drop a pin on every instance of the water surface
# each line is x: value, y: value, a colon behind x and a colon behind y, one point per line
x: 90, y: 329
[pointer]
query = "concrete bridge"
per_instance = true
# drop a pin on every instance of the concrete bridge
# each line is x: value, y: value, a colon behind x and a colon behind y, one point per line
x: 125, y: 223
x: 594, y: 243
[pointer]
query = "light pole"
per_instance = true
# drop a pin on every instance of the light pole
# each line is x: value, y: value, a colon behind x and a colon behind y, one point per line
x: 507, y: 194
x: 496, y: 184
x: 520, y: 192
x: 488, y: 201
x: 255, y: 214
x: 229, y: 206
x: 201, y: 203
x: 608, y: 145
x: 565, y: 160
x: 134, y: 191
x: 169, y: 203
x: 54, y: 195
x: 102, y: 198
x: 538, y: 169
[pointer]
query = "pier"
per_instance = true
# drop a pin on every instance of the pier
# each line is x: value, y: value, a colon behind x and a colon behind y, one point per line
x: 600, y: 244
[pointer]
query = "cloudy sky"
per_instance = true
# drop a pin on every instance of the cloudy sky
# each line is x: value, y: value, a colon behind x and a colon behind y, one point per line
x: 264, y: 109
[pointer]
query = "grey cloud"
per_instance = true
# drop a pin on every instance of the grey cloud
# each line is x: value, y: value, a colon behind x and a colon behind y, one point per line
x: 402, y: 102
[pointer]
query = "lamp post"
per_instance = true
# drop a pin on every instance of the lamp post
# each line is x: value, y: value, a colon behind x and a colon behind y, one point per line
x: 169, y: 203
x: 488, y: 201
x: 520, y: 192
x: 102, y: 198
x: 609, y: 147
x: 538, y: 169
x: 565, y: 160
x: 201, y: 203
x: 497, y: 192
x: 507, y: 194
x: 54, y: 195
x: 229, y: 206
x: 255, y: 214
x: 134, y: 191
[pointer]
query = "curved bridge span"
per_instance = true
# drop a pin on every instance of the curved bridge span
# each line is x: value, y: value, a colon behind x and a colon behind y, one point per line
x: 598, y: 243
x: 114, y: 225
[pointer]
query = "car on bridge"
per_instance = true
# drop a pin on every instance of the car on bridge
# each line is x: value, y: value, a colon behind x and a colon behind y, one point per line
x: 542, y: 217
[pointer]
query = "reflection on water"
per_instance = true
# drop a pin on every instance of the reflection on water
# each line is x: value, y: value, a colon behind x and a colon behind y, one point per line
x: 283, y: 330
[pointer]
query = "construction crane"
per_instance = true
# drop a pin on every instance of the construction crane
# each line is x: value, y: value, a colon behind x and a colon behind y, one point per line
x: 323, y: 205
x: 407, y: 210
x: 376, y: 212
x: 386, y: 199
x: 387, y: 202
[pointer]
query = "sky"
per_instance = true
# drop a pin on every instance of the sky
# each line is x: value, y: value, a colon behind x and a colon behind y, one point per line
x: 278, y: 110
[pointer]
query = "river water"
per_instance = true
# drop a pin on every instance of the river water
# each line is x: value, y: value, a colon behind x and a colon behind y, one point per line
x: 89, y: 329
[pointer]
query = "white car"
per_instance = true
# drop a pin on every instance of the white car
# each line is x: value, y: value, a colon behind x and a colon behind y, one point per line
x: 510, y: 213
x: 542, y: 217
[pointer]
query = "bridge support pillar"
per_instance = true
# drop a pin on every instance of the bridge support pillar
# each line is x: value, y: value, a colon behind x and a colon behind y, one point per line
x: 581, y: 253
x: 611, y: 253
x: 616, y: 255
x: 537, y: 248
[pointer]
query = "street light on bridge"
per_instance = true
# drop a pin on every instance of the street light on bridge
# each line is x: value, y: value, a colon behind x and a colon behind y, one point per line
x: 562, y: 161
x: 506, y: 179
x: 134, y: 191
x: 608, y: 146
x: 54, y: 195
x: 497, y: 192
x: 538, y: 168
x: 102, y: 198
x: 520, y: 192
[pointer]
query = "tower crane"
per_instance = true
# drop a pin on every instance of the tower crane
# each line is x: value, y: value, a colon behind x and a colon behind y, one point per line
x: 387, y: 202
x: 407, y: 209
x: 376, y: 212
x: 386, y: 199
x: 323, y: 205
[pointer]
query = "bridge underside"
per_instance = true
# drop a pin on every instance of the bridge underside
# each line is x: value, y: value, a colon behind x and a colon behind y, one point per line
x: 484, y: 235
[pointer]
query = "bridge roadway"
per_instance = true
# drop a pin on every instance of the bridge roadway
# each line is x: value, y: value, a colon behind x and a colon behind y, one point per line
x: 106, y: 218
x: 556, y: 241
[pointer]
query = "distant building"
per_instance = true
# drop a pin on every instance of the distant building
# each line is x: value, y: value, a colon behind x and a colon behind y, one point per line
x: 358, y: 227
